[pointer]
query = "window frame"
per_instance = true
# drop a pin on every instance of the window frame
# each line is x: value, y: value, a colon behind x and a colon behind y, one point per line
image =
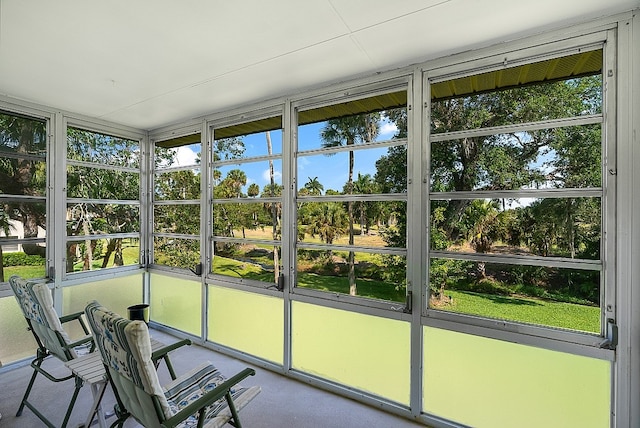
x: 111, y: 131
x: 399, y: 310
x: 580, y: 342
x: 237, y: 119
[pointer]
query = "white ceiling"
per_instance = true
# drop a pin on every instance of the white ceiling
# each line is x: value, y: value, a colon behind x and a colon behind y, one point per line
x: 148, y: 63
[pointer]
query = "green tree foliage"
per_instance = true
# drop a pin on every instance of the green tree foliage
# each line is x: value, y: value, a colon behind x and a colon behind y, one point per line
x: 350, y: 130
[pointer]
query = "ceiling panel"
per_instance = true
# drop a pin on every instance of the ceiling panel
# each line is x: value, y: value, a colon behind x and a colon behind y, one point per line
x: 147, y: 63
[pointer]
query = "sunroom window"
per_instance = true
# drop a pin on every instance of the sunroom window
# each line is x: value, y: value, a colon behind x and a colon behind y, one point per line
x: 102, y: 201
x: 176, y: 203
x: 351, y: 199
x: 247, y: 175
x: 517, y: 193
x: 23, y: 196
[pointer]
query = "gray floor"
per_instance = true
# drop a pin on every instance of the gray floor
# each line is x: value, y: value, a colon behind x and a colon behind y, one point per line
x: 283, y: 402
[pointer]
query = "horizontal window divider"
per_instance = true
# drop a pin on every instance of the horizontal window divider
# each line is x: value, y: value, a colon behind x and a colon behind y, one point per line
x: 239, y: 161
x: 23, y: 156
x: 176, y: 235
x: 345, y: 302
x: 11, y: 241
x: 586, y: 344
x: 251, y: 285
x: 246, y: 241
x: 332, y: 247
x: 353, y: 147
x: 79, y: 277
x: 81, y: 238
x: 521, y: 127
x: 103, y: 166
x: 559, y: 262
x: 276, y: 200
x: 163, y: 170
x: 373, y: 197
x: 103, y: 201
x: 22, y: 198
x: 174, y: 271
x: 519, y: 193
x: 176, y: 202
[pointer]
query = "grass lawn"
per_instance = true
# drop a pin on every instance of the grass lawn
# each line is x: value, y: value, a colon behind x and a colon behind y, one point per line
x: 526, y: 309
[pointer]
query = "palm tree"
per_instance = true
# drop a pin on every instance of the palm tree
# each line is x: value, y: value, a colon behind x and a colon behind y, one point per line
x: 350, y: 130
x: 314, y: 186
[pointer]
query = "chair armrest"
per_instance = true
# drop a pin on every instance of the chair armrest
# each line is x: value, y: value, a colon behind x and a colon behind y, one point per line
x: 79, y: 342
x: 70, y: 317
x: 207, y: 399
x: 75, y: 316
x: 160, y: 353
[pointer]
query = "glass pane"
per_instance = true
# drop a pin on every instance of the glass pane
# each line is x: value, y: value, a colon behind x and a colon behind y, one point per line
x: 102, y: 253
x: 176, y: 252
x: 546, y: 159
x: 248, y: 145
x: 184, y: 219
x: 23, y: 219
x: 26, y: 260
x: 531, y: 103
x: 91, y: 219
x: 248, y: 261
x: 177, y: 185
x: 563, y: 227
x: 98, y: 183
x: 555, y: 297
x: 346, y: 128
x: 178, y: 156
x: 375, y: 223
x: 23, y: 177
x: 248, y: 220
x: 376, y: 276
x: 98, y: 148
x: 252, y: 179
x: 22, y: 135
x: 329, y: 174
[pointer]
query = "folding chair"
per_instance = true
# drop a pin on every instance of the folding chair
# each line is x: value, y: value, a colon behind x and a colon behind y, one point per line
x: 36, y: 303
x: 203, y: 397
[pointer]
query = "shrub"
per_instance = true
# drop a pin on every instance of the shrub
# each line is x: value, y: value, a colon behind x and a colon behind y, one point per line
x: 22, y: 259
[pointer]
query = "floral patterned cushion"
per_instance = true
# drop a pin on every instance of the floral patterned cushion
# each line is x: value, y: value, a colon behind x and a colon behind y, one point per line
x: 36, y: 303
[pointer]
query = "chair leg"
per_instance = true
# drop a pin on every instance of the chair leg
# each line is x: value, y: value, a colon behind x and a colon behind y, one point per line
x: 28, y: 391
x: 235, y: 420
x: 67, y: 415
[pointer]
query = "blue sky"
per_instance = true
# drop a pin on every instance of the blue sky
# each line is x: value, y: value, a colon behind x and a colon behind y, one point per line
x: 331, y: 171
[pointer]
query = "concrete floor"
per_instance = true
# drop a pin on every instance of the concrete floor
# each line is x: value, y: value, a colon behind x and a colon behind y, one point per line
x: 283, y: 402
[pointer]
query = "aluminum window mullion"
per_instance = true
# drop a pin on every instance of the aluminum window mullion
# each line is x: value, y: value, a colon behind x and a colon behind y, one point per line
x: 523, y: 127
x: 103, y: 201
x: 271, y: 242
x: 240, y: 161
x: 22, y: 198
x: 514, y: 194
x: 95, y: 165
x: 163, y: 170
x: 353, y: 147
x: 176, y: 235
x: 593, y: 265
x: 25, y: 156
x: 247, y: 200
x: 80, y: 238
x: 355, y: 249
x: 172, y: 202
x: 363, y: 197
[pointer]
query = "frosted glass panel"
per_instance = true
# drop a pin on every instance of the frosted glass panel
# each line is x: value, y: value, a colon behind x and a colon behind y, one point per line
x: 249, y: 322
x: 484, y: 382
x: 361, y: 351
x: 115, y: 294
x: 15, y: 341
x: 176, y: 303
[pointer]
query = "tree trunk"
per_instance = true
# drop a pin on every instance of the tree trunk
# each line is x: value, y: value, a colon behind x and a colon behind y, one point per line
x: 353, y: 290
x: 110, y: 247
x: 1, y: 265
x: 118, y: 260
x: 274, y: 212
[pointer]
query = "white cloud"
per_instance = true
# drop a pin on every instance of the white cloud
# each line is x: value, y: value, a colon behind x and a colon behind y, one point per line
x: 388, y: 129
x: 185, y: 156
x: 302, y: 162
x: 277, y: 175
